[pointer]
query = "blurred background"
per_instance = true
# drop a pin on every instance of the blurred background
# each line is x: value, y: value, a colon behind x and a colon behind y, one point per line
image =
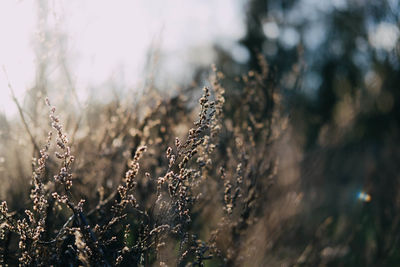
x: 93, y: 44
x: 336, y: 64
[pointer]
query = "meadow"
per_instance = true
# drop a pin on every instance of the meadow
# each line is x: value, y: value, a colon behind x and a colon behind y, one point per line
x: 158, y: 180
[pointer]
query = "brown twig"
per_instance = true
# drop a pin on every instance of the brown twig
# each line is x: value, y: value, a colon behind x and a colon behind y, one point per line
x: 21, y: 113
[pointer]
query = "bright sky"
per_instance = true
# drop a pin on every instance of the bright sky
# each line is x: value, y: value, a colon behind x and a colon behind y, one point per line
x: 104, y: 37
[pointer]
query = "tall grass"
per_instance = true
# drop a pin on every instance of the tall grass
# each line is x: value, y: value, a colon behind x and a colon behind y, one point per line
x: 160, y: 182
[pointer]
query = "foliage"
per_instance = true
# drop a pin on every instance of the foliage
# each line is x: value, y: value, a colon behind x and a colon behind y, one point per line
x: 152, y: 188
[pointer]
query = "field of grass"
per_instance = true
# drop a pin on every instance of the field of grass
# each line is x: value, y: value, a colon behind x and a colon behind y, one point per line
x: 156, y: 181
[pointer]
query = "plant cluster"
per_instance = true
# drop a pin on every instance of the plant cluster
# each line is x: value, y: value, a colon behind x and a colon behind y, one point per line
x: 154, y: 187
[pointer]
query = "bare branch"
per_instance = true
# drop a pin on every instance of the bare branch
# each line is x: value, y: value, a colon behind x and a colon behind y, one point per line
x: 21, y: 113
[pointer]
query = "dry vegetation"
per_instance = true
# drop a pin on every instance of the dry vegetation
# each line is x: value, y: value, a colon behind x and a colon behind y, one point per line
x: 158, y: 182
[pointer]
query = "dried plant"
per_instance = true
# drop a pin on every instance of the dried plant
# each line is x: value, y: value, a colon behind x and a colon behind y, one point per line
x: 168, y: 191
